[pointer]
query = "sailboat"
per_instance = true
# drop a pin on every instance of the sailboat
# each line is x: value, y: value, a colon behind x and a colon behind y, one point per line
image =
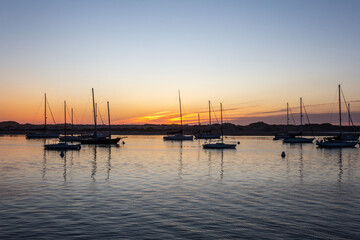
x: 63, y: 145
x: 97, y: 138
x: 292, y: 138
x: 72, y: 137
x: 340, y: 140
x: 180, y: 136
x: 207, y: 135
x: 282, y: 136
x: 220, y: 145
x: 42, y: 134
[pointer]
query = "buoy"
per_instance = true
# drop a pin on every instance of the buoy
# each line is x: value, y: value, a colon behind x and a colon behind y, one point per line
x: 123, y: 142
x: 283, y: 154
x: 238, y: 142
x: 62, y: 154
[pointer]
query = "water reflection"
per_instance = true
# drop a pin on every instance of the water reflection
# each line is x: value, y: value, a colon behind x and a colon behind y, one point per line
x: 108, y: 169
x: 340, y: 165
x: 94, y: 164
x: 64, y: 165
x: 222, y: 165
x: 301, y: 163
x: 181, y: 165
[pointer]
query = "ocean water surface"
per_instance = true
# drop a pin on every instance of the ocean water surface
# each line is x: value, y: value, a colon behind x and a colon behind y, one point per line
x: 151, y: 189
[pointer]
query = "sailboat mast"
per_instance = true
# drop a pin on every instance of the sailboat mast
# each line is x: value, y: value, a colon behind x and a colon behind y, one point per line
x: 109, y: 117
x: 301, y: 117
x: 199, y: 119
x: 65, y: 119
x: 45, y: 113
x: 221, y: 126
x: 180, y: 114
x: 340, y: 107
x: 93, y: 98
x: 349, y: 117
x: 72, y: 122
x: 209, y: 114
x: 287, y: 114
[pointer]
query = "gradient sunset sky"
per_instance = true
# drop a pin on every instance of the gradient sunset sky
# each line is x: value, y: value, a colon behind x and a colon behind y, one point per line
x: 254, y: 56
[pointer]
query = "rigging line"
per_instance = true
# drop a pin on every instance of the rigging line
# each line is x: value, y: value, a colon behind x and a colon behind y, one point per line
x: 34, y: 116
x: 292, y: 116
x: 347, y: 108
x: 52, y: 116
x: 217, y: 120
x: 100, y: 116
x: 84, y: 108
x: 312, y: 131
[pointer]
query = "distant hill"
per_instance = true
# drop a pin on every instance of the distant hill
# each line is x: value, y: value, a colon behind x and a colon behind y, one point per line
x: 257, y: 128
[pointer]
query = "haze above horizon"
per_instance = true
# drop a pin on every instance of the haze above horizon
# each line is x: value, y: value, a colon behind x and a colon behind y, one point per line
x: 254, y: 56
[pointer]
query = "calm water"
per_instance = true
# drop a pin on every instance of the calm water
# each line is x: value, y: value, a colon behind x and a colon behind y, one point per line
x: 150, y: 189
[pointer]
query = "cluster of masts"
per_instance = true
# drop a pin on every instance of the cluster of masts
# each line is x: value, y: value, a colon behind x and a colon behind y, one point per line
x: 340, y: 140
x: 64, y: 144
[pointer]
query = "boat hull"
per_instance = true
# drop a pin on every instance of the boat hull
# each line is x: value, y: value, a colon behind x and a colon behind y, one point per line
x: 178, y: 138
x: 298, y: 140
x: 70, y: 138
x: 100, y: 141
x: 62, y: 146
x: 336, y: 144
x: 219, y: 146
x: 42, y: 135
x: 207, y: 136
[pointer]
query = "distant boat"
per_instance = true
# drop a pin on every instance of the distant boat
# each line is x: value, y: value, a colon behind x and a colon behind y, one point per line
x: 63, y: 145
x: 97, y: 138
x: 282, y: 136
x: 180, y: 136
x: 293, y: 138
x: 341, y: 140
x: 220, y: 145
x: 72, y: 137
x: 207, y: 135
x: 42, y: 134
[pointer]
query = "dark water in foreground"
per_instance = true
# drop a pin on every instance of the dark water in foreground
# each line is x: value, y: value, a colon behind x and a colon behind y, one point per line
x: 150, y: 189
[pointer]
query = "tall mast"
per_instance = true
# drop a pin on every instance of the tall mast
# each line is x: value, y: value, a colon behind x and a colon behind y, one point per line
x: 72, y: 122
x: 199, y: 119
x: 180, y: 114
x: 209, y: 114
x: 301, y: 117
x: 45, y: 113
x: 340, y: 107
x: 349, y: 117
x: 109, y: 117
x: 221, y: 126
x: 65, y: 118
x: 93, y: 98
x: 287, y: 114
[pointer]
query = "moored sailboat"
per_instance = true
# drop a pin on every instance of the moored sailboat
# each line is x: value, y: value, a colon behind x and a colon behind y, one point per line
x: 63, y: 145
x: 298, y: 138
x: 341, y: 140
x: 207, y: 135
x: 44, y: 134
x: 97, y: 138
x: 180, y: 136
x: 220, y: 145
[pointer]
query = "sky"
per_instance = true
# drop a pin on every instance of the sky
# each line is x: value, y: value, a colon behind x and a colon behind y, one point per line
x: 253, y: 56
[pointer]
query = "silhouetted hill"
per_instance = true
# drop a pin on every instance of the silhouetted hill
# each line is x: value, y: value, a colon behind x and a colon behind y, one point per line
x: 257, y: 128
